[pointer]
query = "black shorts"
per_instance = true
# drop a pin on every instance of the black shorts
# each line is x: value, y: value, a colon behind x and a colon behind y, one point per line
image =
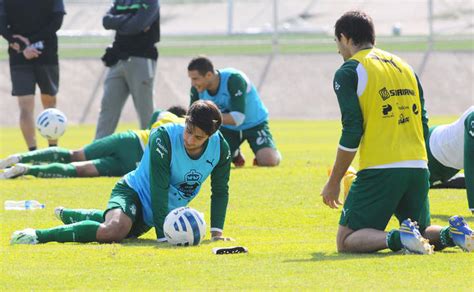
x: 25, y: 77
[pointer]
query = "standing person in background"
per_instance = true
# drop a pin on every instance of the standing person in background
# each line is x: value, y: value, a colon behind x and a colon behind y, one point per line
x: 30, y: 27
x: 131, y: 60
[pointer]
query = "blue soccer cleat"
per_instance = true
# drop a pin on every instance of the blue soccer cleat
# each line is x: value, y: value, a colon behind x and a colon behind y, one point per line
x: 412, y: 240
x: 462, y: 235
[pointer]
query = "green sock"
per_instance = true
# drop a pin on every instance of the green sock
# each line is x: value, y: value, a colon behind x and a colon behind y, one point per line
x: 69, y: 216
x: 393, y: 240
x: 52, y: 154
x: 52, y: 170
x: 445, y: 237
x: 84, y: 231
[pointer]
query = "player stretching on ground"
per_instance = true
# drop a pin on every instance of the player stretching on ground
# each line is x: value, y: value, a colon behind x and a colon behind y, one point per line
x: 245, y: 117
x: 383, y: 117
x: 114, y: 155
x: 176, y: 162
x: 450, y: 149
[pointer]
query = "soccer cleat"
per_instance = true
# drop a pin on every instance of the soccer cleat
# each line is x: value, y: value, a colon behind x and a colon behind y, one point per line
x: 412, y: 240
x: 26, y: 236
x: 58, y: 212
x: 239, y: 159
x: 14, y: 171
x: 9, y: 161
x: 462, y: 235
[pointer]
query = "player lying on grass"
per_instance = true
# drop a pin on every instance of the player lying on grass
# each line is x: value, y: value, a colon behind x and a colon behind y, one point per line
x: 114, y: 155
x: 245, y: 117
x: 176, y: 162
x: 450, y: 148
x: 384, y: 119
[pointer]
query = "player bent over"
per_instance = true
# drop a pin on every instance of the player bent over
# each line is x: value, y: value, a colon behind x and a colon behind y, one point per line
x: 384, y: 119
x: 114, y: 155
x: 176, y: 162
x: 450, y: 149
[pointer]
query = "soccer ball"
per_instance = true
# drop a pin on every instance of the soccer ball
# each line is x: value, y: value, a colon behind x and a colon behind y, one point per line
x: 184, y: 226
x: 51, y: 123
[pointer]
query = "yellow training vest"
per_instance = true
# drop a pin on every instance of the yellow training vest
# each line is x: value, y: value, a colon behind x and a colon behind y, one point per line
x: 391, y: 109
x: 163, y: 118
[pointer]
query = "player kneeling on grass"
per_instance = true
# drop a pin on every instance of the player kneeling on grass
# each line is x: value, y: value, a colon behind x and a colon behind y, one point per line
x: 388, y: 130
x: 176, y: 162
x: 114, y: 155
x: 245, y: 117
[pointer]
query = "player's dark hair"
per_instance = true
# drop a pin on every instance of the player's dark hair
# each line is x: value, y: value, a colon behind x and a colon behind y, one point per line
x: 177, y: 110
x: 356, y: 25
x: 201, y: 64
x: 205, y: 115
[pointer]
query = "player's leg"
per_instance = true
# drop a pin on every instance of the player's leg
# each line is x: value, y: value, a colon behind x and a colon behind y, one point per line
x: 234, y: 139
x: 262, y: 144
x: 27, y: 121
x: 140, y: 75
x: 23, y: 87
x: 360, y: 241
x: 115, y: 94
x: 123, y: 217
x: 47, y: 77
x: 469, y: 159
x: 52, y: 154
x: 365, y: 213
x: 119, y: 220
x: 115, y: 155
x: 69, y: 216
x: 372, y: 199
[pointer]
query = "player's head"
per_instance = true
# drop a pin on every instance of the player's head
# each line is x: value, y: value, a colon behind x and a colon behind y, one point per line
x: 201, y: 73
x: 356, y: 28
x: 177, y: 110
x: 202, y: 120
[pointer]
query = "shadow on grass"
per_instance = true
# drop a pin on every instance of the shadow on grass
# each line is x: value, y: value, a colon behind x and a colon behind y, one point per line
x: 443, y: 218
x: 140, y: 242
x: 321, y: 256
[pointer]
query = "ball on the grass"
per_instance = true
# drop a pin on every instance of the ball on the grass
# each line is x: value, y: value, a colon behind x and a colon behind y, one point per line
x: 184, y: 226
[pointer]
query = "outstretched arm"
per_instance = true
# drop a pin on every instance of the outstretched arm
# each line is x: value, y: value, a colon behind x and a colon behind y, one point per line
x: 160, y: 157
x: 220, y: 192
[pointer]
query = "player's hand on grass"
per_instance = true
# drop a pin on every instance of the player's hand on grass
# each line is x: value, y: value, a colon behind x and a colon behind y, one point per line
x: 330, y: 194
x: 217, y: 235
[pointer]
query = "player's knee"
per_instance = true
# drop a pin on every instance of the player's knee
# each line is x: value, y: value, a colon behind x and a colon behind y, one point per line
x: 341, y: 240
x: 112, y: 231
x: 268, y: 157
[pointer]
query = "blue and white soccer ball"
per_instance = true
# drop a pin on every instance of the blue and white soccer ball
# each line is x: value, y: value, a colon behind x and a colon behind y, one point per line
x: 51, y: 123
x: 184, y: 226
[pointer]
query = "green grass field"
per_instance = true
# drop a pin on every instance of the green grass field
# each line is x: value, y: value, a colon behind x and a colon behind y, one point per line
x: 276, y: 213
x: 93, y: 47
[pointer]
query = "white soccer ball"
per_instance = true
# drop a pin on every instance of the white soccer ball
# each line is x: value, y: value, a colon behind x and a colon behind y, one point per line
x: 51, y: 123
x: 184, y: 226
